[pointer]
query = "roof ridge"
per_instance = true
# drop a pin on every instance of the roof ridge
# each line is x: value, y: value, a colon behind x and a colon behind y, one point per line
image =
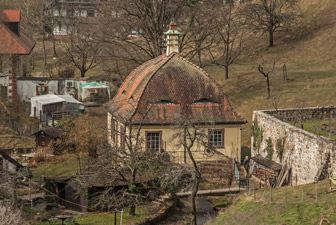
x: 155, y: 71
x: 205, y: 73
x: 131, y: 74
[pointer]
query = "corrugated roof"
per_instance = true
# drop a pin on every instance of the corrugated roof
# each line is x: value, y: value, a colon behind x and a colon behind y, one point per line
x: 52, y: 98
x: 167, y: 87
x: 10, y: 15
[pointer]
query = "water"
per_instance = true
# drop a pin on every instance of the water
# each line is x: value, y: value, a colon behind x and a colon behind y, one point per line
x: 204, y: 209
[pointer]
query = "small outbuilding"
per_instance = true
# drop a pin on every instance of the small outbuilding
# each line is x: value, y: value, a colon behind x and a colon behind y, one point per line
x: 47, y: 135
x: 44, y: 105
x: 265, y: 170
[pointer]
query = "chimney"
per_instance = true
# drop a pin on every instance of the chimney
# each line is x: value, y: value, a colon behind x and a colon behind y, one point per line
x: 172, y: 39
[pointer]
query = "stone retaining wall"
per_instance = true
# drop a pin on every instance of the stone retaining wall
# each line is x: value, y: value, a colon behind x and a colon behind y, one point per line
x: 310, y: 153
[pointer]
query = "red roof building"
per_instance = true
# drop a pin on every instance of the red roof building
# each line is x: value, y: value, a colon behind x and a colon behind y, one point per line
x: 14, y: 44
x: 160, y: 93
x: 12, y: 39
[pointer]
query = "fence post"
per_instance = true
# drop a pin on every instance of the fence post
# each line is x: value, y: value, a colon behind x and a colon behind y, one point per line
x: 285, y: 194
x: 115, y: 216
x: 316, y: 192
x: 271, y: 193
x: 302, y: 195
x: 254, y: 197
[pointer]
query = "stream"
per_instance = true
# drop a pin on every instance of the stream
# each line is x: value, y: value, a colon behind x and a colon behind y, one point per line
x: 204, y: 210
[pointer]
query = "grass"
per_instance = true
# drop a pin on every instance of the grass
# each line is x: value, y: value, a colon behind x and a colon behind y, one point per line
x: 313, y: 126
x: 60, y: 166
x: 220, y: 202
x: 142, y: 213
x: 247, y: 211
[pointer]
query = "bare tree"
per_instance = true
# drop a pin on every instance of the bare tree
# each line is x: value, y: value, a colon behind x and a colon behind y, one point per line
x: 191, y: 135
x: 284, y: 71
x: 229, y: 35
x: 270, y: 16
x: 132, y: 31
x: 198, y: 31
x: 10, y: 214
x: 266, y: 75
x: 81, y: 50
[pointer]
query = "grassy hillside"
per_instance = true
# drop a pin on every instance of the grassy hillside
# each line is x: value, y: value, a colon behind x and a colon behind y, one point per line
x: 261, y: 211
x: 309, y: 51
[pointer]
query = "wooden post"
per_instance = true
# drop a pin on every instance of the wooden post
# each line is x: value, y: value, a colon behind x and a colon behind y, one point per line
x: 302, y: 195
x: 254, y: 197
x: 285, y: 194
x: 316, y: 192
x: 271, y: 193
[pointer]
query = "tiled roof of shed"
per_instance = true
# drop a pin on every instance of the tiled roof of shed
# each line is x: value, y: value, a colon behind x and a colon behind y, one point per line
x: 167, y: 87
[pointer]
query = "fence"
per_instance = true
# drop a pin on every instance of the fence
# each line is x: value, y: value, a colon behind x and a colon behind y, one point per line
x: 312, y: 193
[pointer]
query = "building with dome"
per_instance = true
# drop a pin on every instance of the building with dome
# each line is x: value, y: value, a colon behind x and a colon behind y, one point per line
x: 158, y: 94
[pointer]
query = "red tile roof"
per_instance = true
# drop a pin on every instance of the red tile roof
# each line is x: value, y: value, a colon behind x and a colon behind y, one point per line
x: 10, y: 15
x: 11, y: 43
x: 165, y: 88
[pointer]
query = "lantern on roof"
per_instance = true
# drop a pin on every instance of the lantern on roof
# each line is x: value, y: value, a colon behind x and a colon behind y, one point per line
x: 172, y: 39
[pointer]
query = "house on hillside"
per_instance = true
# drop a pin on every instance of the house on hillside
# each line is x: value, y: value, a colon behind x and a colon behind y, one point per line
x: 64, y: 14
x: 165, y: 89
x: 15, y: 45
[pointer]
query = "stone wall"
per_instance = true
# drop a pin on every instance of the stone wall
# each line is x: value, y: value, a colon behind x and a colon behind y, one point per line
x: 311, y: 154
x: 312, y: 113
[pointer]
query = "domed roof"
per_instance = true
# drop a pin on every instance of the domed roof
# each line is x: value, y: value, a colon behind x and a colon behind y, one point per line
x: 167, y: 87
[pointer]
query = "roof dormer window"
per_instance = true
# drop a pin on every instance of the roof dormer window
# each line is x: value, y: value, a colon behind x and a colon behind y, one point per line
x: 203, y: 101
x: 165, y: 102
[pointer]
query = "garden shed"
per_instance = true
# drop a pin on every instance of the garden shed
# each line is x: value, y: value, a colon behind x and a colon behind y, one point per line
x: 265, y: 170
x: 47, y: 104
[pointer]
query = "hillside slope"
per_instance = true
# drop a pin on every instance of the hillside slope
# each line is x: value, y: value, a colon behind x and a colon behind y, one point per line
x: 261, y: 211
x: 309, y: 52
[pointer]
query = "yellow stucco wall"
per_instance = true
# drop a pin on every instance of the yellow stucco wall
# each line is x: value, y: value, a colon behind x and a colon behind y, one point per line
x: 232, y: 141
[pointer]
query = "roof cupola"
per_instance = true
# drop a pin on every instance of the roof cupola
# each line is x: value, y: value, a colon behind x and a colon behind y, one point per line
x: 172, y: 39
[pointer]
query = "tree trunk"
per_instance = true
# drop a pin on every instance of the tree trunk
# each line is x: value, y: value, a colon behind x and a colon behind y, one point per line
x: 132, y: 191
x: 132, y: 209
x: 226, y: 72
x: 271, y: 38
x: 54, y: 45
x: 268, y: 87
x: 82, y: 73
x: 44, y: 50
x: 184, y: 146
x: 193, y: 200
x: 284, y: 72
